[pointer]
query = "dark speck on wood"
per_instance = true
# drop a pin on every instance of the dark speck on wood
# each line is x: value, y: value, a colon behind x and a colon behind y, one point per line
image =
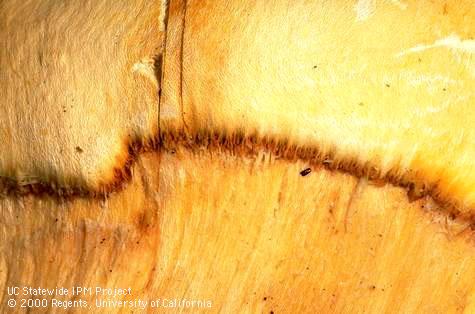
x: 305, y: 172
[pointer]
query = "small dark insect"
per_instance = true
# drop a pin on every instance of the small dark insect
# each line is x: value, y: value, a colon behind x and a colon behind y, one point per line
x: 79, y: 149
x: 305, y: 172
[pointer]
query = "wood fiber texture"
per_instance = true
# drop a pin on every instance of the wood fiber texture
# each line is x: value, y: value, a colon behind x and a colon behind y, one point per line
x: 268, y: 156
x: 78, y: 86
x: 250, y: 234
x: 380, y: 87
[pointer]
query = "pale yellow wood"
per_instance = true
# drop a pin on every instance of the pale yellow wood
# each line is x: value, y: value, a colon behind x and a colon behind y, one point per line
x: 252, y: 94
x: 78, y: 86
x: 249, y: 234
x: 386, y: 86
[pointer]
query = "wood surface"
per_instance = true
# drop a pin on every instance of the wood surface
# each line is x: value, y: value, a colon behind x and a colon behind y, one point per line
x: 262, y: 156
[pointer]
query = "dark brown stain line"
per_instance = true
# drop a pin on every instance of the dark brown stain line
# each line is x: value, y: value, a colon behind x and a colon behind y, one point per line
x: 238, y: 145
x: 11, y: 187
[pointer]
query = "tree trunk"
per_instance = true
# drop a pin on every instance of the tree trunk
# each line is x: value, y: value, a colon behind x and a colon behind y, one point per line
x: 237, y: 156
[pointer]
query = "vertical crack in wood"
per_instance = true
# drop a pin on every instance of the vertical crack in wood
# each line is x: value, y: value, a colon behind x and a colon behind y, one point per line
x: 182, y: 40
x: 164, y: 17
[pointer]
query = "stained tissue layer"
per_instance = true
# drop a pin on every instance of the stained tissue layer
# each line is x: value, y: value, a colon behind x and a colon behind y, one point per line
x: 380, y: 85
x: 78, y: 86
x: 331, y: 82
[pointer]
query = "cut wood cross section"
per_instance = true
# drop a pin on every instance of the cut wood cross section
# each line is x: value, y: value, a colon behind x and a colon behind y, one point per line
x: 264, y: 156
